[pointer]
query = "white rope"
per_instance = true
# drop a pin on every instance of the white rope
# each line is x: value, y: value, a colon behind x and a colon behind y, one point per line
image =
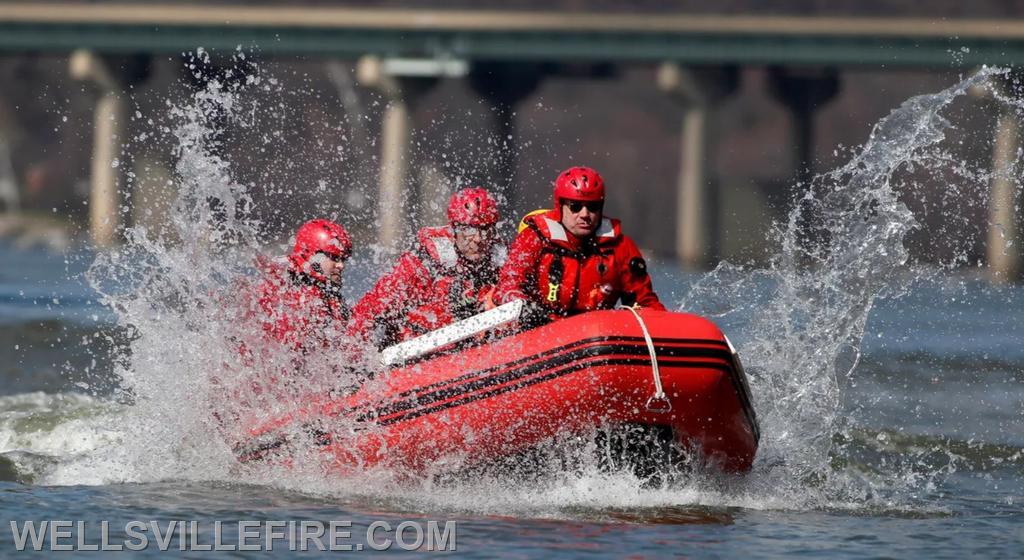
x: 659, y: 402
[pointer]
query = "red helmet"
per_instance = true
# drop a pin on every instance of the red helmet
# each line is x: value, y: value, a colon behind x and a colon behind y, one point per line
x: 319, y: 236
x: 578, y: 183
x: 473, y: 207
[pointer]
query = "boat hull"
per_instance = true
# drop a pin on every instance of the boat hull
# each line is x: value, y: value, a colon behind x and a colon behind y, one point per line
x: 494, y: 400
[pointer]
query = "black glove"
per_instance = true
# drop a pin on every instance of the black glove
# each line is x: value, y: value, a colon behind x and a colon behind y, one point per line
x: 534, y: 315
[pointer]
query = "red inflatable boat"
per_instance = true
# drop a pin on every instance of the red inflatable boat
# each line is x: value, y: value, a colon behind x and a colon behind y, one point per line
x: 478, y: 402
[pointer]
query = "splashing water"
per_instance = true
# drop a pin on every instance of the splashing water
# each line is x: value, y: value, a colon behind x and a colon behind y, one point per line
x: 167, y: 288
x: 802, y: 339
x: 799, y: 324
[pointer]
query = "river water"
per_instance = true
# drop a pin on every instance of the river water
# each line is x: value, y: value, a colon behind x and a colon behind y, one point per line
x: 891, y: 395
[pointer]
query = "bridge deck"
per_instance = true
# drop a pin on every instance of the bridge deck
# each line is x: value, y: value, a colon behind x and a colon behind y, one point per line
x: 537, y: 36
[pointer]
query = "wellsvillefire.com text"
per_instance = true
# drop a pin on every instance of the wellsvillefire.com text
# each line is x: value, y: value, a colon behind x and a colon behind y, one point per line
x: 207, y: 535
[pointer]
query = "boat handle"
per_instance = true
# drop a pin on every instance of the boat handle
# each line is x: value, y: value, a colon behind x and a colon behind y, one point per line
x: 658, y: 403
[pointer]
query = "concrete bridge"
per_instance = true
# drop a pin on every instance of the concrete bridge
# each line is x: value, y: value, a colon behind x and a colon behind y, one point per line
x: 400, y: 49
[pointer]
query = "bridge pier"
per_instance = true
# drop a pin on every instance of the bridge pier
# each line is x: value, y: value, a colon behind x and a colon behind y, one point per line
x: 111, y: 75
x: 804, y: 91
x: 109, y: 121
x: 402, y: 82
x: 696, y: 89
x: 10, y: 200
x: 503, y: 85
x: 1002, y: 249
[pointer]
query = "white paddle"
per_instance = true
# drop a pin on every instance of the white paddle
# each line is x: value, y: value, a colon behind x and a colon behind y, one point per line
x: 455, y: 332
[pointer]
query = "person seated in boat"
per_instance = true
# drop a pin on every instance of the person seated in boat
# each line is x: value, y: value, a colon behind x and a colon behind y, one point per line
x: 445, y: 277
x: 281, y: 321
x: 300, y: 301
x: 573, y: 259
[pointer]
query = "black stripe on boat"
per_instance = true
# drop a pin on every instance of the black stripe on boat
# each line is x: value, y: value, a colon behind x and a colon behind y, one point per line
x: 510, y: 376
x: 417, y: 392
x: 553, y: 352
x: 474, y: 343
x: 539, y: 379
x: 736, y: 374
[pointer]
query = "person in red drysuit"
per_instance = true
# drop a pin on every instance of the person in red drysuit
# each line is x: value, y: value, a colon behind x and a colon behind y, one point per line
x: 293, y: 316
x: 573, y: 259
x: 445, y: 277
x: 300, y: 304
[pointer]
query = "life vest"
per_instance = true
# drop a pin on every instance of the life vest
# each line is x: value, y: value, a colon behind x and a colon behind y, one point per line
x: 456, y: 287
x: 578, y: 275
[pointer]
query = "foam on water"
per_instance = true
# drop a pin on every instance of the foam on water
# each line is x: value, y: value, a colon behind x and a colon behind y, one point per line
x: 56, y: 424
x: 40, y: 431
x: 798, y: 324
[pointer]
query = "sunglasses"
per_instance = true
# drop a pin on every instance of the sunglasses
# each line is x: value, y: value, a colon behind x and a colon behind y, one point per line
x: 575, y: 206
x: 335, y: 258
x: 470, y: 231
